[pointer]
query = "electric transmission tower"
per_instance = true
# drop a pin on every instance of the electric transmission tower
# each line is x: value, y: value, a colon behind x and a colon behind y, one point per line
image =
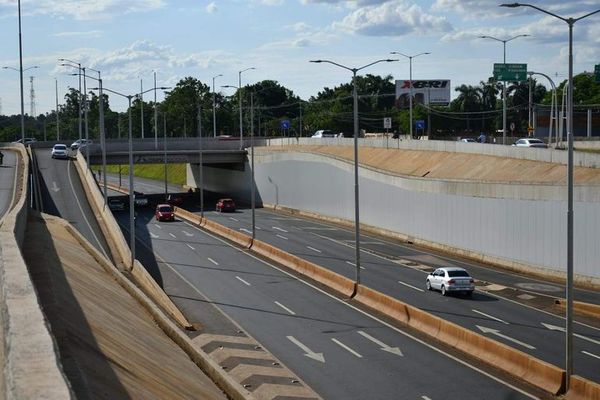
x: 32, y: 98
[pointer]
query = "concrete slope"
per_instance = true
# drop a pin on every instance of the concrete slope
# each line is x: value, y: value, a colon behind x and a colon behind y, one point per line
x: 110, y: 347
x: 459, y: 166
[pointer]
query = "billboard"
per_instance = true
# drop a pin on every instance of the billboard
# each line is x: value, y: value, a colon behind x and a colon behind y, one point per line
x: 432, y: 91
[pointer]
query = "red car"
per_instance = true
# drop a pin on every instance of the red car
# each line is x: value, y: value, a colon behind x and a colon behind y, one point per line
x: 164, y: 212
x: 225, y: 205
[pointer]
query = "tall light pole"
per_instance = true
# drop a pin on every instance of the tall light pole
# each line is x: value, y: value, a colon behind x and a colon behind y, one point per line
x: 553, y: 104
x: 20, y: 70
x: 74, y: 64
x: 102, y: 132
x: 215, y: 106
x: 356, y: 191
x: 503, y: 41
x: 240, y: 101
x: 141, y: 98
x: 201, y: 155
x: 57, y: 110
x: 410, y: 100
x: 569, y: 325
x: 155, y: 116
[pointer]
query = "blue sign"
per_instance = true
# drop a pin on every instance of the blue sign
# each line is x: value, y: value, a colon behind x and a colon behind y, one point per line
x: 420, y: 124
x: 285, y: 124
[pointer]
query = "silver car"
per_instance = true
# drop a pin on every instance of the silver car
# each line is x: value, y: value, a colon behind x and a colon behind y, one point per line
x: 60, y: 151
x: 530, y: 142
x: 450, y: 279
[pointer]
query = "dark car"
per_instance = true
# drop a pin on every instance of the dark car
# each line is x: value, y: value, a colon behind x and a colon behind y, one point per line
x: 175, y: 200
x: 140, y: 199
x: 164, y: 212
x: 116, y: 204
x: 225, y: 205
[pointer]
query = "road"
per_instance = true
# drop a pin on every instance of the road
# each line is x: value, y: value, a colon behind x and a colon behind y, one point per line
x: 399, y: 270
x: 8, y: 177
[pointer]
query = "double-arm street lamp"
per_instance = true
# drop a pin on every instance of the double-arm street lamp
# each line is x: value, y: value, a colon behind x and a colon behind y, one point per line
x: 356, y: 192
x: 503, y: 41
x: 20, y: 71
x: 74, y: 64
x: 215, y: 105
x: 410, y: 100
x: 569, y: 292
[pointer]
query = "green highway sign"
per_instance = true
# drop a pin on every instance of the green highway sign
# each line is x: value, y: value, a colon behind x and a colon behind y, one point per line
x: 510, y: 72
x: 597, y: 73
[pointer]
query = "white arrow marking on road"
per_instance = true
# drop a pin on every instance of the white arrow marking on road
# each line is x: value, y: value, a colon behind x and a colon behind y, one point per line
x: 243, y: 281
x: 346, y: 347
x: 280, y: 230
x: 590, y: 354
x: 282, y: 237
x: 384, y: 347
x: 313, y: 249
x: 188, y: 245
x: 425, y: 398
x: 173, y: 236
x: 153, y: 235
x: 187, y: 234
x: 411, y: 286
x: 497, y: 333
x: 233, y: 219
x: 491, y: 317
x: 307, y: 352
x: 285, y: 308
x: 212, y: 261
x: 55, y: 188
x: 560, y: 328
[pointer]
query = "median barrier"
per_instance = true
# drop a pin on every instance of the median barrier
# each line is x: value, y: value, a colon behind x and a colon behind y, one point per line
x: 119, y: 247
x: 580, y: 308
x: 230, y: 234
x: 583, y: 389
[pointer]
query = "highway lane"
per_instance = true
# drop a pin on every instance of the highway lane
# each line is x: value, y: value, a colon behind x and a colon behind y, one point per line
x: 63, y: 195
x: 332, y: 346
x: 8, y: 174
x: 533, y: 331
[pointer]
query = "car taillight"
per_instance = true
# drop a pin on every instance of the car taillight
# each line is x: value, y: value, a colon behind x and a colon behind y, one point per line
x: 451, y: 281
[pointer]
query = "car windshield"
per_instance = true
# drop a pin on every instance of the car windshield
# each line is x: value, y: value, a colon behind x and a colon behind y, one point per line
x: 165, y: 209
x: 60, y: 147
x: 455, y: 274
x: 535, y: 141
x: 227, y: 201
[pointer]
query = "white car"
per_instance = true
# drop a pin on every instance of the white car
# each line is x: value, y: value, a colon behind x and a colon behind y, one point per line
x: 450, y: 279
x: 80, y: 143
x: 60, y: 151
x: 530, y: 142
x: 468, y: 140
x: 324, y: 133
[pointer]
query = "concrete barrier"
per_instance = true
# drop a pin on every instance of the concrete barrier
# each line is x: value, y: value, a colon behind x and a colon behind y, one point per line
x: 583, y: 389
x: 580, y: 308
x: 120, y: 249
x: 32, y: 367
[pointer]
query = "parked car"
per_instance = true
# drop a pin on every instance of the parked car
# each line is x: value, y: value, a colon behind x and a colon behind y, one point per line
x: 80, y: 143
x: 324, y: 133
x: 450, y: 279
x: 468, y: 140
x: 140, y: 199
x: 530, y: 142
x: 60, y: 151
x: 225, y: 205
x: 116, y: 204
x: 164, y: 212
x: 26, y: 141
x: 175, y: 200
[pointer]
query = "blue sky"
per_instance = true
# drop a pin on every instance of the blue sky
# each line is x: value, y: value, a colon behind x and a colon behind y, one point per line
x: 128, y: 40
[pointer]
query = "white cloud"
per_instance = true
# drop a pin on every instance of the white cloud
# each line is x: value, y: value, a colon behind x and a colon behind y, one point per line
x: 475, y: 9
x: 88, y: 34
x: 81, y: 9
x: 211, y: 8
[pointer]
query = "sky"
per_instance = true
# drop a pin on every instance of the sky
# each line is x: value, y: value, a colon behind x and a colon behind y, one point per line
x: 130, y: 40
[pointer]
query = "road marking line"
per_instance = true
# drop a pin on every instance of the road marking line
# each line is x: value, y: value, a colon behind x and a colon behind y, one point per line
x: 354, y: 265
x: 307, y: 352
x: 590, y: 354
x: 188, y: 245
x: 491, y: 317
x: 154, y: 236
x: 241, y: 280
x: 313, y: 249
x: 411, y: 286
x: 233, y: 219
x: 258, y: 228
x: 282, y: 237
x: 316, y: 228
x: 245, y: 230
x: 384, y: 347
x: 158, y: 226
x: 187, y: 234
x: 212, y: 261
x: 345, y: 347
x: 280, y: 230
x: 497, y: 333
x: 425, y: 398
x: 173, y: 236
x: 561, y: 329
x: 285, y: 308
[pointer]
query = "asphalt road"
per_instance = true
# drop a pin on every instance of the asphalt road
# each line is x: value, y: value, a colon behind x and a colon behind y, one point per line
x: 7, y: 180
x: 340, y: 351
x: 525, y: 327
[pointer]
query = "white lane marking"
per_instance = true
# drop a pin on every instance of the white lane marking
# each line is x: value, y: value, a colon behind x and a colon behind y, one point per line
x: 489, y: 316
x: 280, y: 230
x: 590, y: 354
x: 425, y: 398
x: 384, y: 347
x: 346, y: 304
x: 497, y: 333
x: 245, y: 230
x: 307, y: 352
x: 411, y: 286
x: 158, y: 226
x: 212, y: 261
x: 285, y: 308
x: 153, y: 236
x: 561, y: 329
x: 187, y: 234
x: 285, y: 219
x: 190, y: 246
x: 354, y: 265
x: 316, y: 228
x: 258, y: 228
x: 313, y: 249
x: 243, y: 281
x: 346, y: 347
x: 233, y: 219
x: 282, y: 237
x: 173, y: 236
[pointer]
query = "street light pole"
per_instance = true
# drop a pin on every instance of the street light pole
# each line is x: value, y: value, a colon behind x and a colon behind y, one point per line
x: 570, y: 272
x: 504, y: 112
x: 410, y: 84
x: 21, y: 76
x: 252, y: 188
x: 102, y: 132
x: 215, y: 106
x: 356, y: 187
x: 141, y: 98
x: 553, y: 104
x: 57, y: 110
x: 240, y: 101
x: 155, y: 116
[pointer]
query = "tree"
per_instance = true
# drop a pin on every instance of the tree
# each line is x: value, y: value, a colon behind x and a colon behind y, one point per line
x: 469, y: 100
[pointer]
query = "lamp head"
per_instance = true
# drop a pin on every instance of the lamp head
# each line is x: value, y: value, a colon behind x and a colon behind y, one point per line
x: 511, y: 5
x: 316, y: 61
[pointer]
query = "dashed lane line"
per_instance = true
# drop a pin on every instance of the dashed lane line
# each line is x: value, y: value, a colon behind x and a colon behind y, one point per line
x: 346, y: 348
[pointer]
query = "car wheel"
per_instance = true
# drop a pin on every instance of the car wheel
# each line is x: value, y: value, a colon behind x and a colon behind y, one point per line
x: 444, y: 292
x: 428, y: 284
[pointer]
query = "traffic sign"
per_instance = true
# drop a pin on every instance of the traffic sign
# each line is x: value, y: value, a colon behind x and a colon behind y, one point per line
x: 420, y: 124
x: 510, y: 72
x: 597, y: 73
x: 285, y: 124
x: 387, y: 123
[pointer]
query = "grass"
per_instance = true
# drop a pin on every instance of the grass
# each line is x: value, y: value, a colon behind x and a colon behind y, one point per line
x: 176, y: 173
